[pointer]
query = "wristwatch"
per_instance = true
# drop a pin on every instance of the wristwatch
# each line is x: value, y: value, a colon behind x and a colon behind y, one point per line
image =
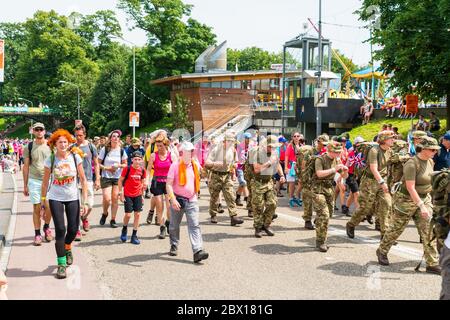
x: 381, y: 182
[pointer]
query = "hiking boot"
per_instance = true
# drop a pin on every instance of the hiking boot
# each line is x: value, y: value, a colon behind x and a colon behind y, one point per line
x: 274, y: 216
x: 370, y: 219
x: 292, y: 203
x: 434, y: 270
x: 37, y: 240
x: 85, y: 224
x: 258, y: 232
x: 167, y: 224
x: 239, y: 202
x: 350, y: 230
x: 309, y: 225
x: 173, y: 251
x: 103, y: 219
x: 236, y: 220
x: 162, y: 232
x: 299, y: 202
x: 220, y: 209
x: 113, y: 224
x: 268, y: 231
x: 382, y: 258
x: 200, y: 255
x: 280, y: 195
x: 214, y: 219
x: 150, y: 216
x: 344, y: 210
x: 135, y: 240
x: 78, y: 236
x: 69, y: 257
x: 322, y: 247
x: 250, y: 214
x: 48, y: 235
x: 61, y: 272
x: 147, y: 195
x: 123, y: 236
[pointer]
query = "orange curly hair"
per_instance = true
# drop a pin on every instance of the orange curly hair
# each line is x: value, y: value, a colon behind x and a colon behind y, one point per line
x: 57, y: 134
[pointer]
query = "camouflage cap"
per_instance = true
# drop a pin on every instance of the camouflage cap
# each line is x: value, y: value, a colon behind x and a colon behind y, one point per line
x: 418, y: 134
x: 429, y: 143
x: 385, y: 135
x: 399, y: 145
x: 272, y: 141
x: 324, y: 139
x: 334, y: 146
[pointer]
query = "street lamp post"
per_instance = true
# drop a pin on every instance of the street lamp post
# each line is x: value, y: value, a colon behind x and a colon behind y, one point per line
x: 319, y: 74
x: 78, y: 94
x: 134, y: 75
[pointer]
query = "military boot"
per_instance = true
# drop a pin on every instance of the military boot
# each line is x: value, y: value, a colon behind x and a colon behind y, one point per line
x: 268, y: 231
x: 434, y: 270
x: 235, y: 220
x: 250, y: 214
x: 382, y: 258
x: 322, y: 247
x: 350, y: 230
x: 238, y: 201
x: 377, y: 225
x: 258, y: 232
x: 220, y: 209
x: 309, y: 225
x: 370, y: 219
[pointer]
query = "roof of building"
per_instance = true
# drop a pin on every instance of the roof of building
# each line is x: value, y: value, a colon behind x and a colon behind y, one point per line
x: 224, y: 76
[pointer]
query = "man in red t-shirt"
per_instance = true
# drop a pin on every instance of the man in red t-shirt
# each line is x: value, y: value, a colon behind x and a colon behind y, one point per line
x: 132, y: 181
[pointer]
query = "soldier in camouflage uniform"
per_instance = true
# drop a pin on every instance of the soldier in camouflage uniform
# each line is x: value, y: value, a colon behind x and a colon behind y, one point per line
x: 441, y: 201
x: 326, y: 167
x: 265, y: 163
x: 417, y: 138
x: 413, y: 199
x: 248, y: 174
x: 221, y: 161
x: 375, y: 195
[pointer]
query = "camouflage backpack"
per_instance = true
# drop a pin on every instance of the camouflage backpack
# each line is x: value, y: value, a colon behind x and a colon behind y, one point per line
x: 441, y: 201
x: 398, y: 160
x: 308, y: 172
x: 303, y: 154
x: 363, y: 148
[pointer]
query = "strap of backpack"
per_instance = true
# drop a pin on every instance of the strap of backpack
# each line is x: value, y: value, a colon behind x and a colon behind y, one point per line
x: 30, y: 147
x: 126, y: 176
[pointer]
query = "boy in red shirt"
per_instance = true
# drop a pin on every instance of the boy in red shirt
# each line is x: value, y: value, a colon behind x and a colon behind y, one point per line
x: 132, y: 181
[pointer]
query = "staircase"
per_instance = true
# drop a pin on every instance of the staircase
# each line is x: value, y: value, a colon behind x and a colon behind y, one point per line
x: 238, y: 124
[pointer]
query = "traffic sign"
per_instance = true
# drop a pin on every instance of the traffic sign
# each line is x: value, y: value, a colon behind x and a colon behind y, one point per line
x: 134, y: 119
x: 321, y: 97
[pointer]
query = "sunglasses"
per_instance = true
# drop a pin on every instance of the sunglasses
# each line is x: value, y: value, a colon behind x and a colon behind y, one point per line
x: 38, y: 129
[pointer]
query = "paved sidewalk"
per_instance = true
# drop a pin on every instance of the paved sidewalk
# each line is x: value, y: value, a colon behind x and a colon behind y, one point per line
x: 31, y: 270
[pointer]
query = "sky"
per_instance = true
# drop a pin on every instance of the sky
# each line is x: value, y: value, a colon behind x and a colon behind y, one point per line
x: 243, y: 23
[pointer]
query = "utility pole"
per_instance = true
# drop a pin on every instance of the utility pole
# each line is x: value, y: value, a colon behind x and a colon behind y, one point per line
x: 319, y: 74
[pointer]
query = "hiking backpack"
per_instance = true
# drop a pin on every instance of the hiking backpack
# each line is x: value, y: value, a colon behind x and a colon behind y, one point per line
x: 441, y: 200
x: 362, y: 150
x: 397, y: 161
x: 303, y: 154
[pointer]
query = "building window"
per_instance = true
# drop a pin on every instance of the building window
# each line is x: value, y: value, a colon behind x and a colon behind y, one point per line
x: 215, y: 84
x: 265, y: 83
x: 274, y: 84
x: 205, y: 85
x: 226, y: 84
x: 237, y: 85
x: 256, y: 84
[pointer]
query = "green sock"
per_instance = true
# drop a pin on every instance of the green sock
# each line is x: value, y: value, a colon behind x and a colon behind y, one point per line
x: 62, y: 261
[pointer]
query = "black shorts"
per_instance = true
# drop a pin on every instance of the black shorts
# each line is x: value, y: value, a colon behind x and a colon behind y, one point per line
x: 276, y: 176
x: 108, y: 182
x: 352, y: 183
x: 133, y: 204
x: 158, y: 188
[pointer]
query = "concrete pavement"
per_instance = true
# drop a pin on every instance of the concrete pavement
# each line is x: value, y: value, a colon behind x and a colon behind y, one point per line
x: 240, y: 266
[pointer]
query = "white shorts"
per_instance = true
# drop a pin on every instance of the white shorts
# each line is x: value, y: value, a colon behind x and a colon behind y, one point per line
x: 34, y: 188
x: 290, y: 178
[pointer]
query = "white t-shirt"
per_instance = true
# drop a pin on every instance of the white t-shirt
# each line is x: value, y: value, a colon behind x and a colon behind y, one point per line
x: 113, y: 157
x: 63, y: 180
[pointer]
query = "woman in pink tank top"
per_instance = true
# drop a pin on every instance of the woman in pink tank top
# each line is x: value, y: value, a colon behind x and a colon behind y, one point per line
x: 160, y: 161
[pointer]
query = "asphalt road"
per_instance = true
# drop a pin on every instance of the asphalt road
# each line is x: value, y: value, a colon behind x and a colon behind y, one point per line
x: 240, y: 266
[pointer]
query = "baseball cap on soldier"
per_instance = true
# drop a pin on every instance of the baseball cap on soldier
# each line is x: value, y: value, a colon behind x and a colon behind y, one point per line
x: 334, y: 146
x: 324, y: 138
x: 385, y: 135
x: 38, y: 125
x: 429, y: 143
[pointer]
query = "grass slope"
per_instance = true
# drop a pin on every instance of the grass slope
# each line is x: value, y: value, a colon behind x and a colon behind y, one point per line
x: 369, y: 131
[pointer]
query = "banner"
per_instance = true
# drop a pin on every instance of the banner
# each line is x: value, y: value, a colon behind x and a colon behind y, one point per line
x: 134, y: 119
x: 412, y: 103
x: 2, y: 60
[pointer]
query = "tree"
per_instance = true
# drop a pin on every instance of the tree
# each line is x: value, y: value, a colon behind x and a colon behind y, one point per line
x: 415, y: 45
x: 254, y: 58
x: 54, y: 52
x: 180, y: 115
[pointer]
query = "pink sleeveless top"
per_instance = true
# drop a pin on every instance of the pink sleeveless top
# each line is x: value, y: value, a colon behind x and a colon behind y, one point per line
x: 161, y: 168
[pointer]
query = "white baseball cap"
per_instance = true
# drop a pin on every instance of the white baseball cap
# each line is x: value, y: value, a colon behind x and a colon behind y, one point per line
x: 358, y: 139
x: 187, y: 146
